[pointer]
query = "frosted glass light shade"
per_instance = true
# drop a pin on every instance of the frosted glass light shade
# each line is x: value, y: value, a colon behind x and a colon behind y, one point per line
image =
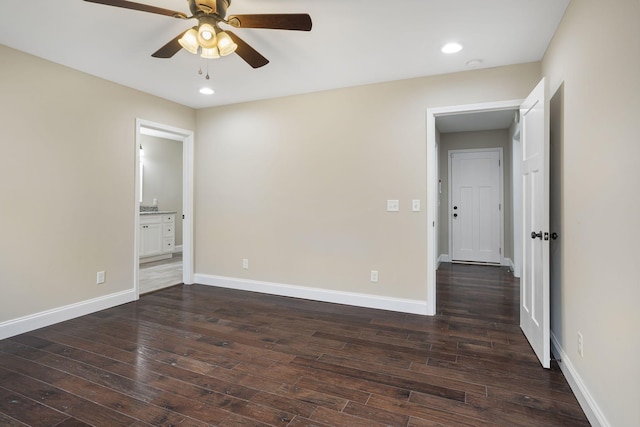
x: 189, y: 41
x: 207, y: 36
x: 226, y: 45
x: 210, y: 53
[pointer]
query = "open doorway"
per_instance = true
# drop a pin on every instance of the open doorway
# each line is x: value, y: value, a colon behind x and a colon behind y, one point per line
x: 164, y: 201
x: 534, y: 117
x: 477, y: 121
x: 160, y: 252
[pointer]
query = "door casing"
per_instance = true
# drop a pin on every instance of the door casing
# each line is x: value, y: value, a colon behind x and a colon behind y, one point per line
x: 187, y: 139
x: 432, y: 182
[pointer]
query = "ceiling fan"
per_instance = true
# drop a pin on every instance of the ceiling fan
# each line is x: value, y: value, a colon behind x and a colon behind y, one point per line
x: 208, y: 38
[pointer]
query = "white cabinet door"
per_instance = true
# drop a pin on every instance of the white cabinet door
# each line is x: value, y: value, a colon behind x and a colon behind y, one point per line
x: 151, y: 242
x: 534, y: 282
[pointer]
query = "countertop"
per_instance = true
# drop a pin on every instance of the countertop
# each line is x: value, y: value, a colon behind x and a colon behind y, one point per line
x: 157, y: 212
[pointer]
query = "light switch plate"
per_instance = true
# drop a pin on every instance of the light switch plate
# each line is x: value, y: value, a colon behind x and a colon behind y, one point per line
x: 415, y: 205
x: 393, y: 205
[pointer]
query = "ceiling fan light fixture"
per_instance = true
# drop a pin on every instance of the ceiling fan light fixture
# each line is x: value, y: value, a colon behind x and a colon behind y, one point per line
x: 189, y: 41
x: 207, y: 36
x: 210, y: 53
x: 226, y: 45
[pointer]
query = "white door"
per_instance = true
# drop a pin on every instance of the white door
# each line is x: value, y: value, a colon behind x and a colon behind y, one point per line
x: 475, y: 209
x: 534, y: 282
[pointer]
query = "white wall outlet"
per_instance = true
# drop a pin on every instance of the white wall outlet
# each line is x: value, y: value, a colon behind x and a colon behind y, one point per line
x: 393, y: 205
x: 374, y: 276
x: 580, y: 345
x: 99, y: 277
x: 415, y: 205
x: 245, y: 264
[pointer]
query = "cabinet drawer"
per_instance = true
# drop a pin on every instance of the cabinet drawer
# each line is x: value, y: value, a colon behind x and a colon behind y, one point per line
x: 150, y: 219
x: 169, y: 218
x: 168, y: 245
x: 168, y: 230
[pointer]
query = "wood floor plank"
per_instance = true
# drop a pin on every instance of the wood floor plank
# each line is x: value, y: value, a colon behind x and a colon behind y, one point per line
x: 28, y: 411
x: 67, y: 403
x: 199, y: 356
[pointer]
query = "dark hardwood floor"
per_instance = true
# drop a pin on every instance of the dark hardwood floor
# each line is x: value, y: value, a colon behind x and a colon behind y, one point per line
x: 198, y: 355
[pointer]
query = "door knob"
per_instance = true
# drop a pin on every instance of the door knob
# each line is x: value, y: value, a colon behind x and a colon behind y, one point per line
x: 455, y: 215
x: 534, y: 235
x: 554, y: 235
x: 455, y: 207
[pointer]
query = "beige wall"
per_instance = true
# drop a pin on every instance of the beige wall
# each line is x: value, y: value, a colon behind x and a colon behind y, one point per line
x: 298, y: 185
x: 596, y: 53
x: 67, y: 182
x: 163, y: 177
x: 473, y: 140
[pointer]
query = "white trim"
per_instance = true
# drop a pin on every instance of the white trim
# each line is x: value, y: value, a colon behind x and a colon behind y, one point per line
x: 177, y: 249
x: 49, y: 317
x: 509, y: 263
x: 315, y: 294
x: 587, y: 402
x: 146, y: 127
x: 443, y: 258
x: 432, y: 182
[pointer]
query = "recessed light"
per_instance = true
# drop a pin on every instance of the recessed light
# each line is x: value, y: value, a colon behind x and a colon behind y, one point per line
x: 451, y: 48
x: 206, y: 91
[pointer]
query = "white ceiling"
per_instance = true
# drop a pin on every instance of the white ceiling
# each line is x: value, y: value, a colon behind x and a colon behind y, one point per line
x: 477, y: 121
x: 352, y: 42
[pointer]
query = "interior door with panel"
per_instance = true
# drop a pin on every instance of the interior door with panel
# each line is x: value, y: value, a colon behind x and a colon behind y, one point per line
x: 534, y: 281
x: 475, y: 209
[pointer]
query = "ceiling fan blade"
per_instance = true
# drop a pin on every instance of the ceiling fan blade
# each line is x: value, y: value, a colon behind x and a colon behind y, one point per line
x: 249, y: 54
x: 169, y: 49
x: 141, y: 7
x: 278, y: 21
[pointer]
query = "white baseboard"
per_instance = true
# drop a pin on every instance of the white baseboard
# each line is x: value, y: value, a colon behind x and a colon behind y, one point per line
x: 49, y: 317
x: 443, y: 258
x: 586, y: 400
x: 508, y: 263
x: 316, y: 294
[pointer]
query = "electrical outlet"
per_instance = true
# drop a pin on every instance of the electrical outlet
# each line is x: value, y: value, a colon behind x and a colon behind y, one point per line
x: 245, y: 264
x: 393, y: 206
x: 100, y: 277
x: 374, y: 276
x: 580, y: 345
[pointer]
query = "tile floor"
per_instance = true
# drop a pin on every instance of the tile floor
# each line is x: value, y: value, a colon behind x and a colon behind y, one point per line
x: 160, y: 274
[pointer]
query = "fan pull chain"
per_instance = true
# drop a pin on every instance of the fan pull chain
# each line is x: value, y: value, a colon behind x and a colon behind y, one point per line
x: 207, y: 76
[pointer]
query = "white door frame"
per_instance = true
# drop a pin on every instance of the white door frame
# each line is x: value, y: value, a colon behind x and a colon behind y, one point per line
x: 432, y: 182
x: 500, y: 195
x: 145, y: 127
